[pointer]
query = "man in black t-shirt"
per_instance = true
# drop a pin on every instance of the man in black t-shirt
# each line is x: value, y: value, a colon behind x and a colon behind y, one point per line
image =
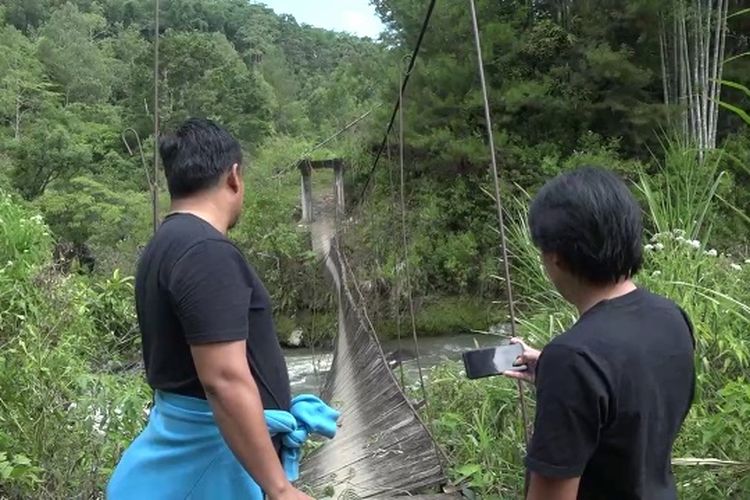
x: 613, y: 390
x: 210, y: 350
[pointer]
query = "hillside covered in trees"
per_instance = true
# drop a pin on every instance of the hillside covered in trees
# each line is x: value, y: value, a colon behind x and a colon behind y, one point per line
x: 631, y: 85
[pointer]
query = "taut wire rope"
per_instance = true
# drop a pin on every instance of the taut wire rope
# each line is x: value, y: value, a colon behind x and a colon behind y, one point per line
x: 499, y: 206
x: 407, y: 271
x: 404, y: 82
x: 397, y: 308
x: 155, y: 177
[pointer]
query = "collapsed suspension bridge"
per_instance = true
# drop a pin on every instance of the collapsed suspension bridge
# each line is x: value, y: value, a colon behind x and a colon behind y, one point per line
x: 383, y: 448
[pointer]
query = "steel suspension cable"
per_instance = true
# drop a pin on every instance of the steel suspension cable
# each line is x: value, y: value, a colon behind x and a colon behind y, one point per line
x: 407, y: 271
x: 404, y: 82
x: 397, y: 308
x: 499, y: 206
x: 155, y: 177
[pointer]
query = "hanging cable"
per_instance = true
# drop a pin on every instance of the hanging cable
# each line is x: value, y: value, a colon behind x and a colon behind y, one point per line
x: 404, y: 82
x: 149, y: 180
x: 155, y: 177
x: 397, y: 305
x: 407, y: 273
x: 326, y: 141
x: 499, y: 205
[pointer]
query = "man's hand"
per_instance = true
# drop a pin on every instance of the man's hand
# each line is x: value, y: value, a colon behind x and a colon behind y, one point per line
x: 290, y: 494
x: 529, y: 357
x: 546, y: 488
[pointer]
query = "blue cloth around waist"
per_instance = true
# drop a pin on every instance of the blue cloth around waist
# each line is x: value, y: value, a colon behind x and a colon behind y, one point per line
x: 182, y: 455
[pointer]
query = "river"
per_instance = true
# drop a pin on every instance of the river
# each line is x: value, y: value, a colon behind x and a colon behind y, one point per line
x: 307, y: 373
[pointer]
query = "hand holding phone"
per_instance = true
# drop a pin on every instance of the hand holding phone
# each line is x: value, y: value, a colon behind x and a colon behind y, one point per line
x: 491, y: 361
x: 530, y: 357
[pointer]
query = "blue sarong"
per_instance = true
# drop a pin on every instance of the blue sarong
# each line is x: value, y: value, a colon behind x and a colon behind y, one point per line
x: 182, y: 455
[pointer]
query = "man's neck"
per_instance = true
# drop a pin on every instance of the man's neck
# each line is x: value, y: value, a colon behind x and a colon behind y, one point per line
x: 590, y: 296
x: 204, y: 209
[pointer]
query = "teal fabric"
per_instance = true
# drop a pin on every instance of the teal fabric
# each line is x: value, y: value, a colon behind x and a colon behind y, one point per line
x: 182, y: 455
x: 308, y: 415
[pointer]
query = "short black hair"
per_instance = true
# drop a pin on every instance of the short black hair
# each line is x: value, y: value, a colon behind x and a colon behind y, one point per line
x: 196, y: 155
x: 591, y: 220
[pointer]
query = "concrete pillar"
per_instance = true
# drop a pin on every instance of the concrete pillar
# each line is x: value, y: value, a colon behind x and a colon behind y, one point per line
x: 306, y: 190
x: 338, y: 188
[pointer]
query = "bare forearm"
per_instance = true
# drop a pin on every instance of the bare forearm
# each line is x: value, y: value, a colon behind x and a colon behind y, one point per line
x: 544, y: 488
x: 239, y: 414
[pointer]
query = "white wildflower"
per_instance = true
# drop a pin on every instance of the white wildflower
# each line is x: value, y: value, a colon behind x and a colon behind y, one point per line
x: 736, y: 267
x: 711, y: 253
x: 747, y: 261
x: 655, y: 274
x: 98, y: 425
x: 648, y: 248
x: 659, y: 247
x: 680, y: 239
x: 695, y: 244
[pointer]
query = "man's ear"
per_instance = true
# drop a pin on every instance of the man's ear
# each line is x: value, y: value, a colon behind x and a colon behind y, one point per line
x: 552, y: 259
x: 234, y: 179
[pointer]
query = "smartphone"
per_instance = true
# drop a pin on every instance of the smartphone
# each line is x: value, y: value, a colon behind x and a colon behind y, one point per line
x: 481, y: 363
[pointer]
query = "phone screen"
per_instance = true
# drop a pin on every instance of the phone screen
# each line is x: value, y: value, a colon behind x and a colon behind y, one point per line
x: 492, y: 361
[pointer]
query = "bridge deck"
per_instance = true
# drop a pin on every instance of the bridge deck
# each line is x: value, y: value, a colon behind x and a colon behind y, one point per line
x: 382, y: 448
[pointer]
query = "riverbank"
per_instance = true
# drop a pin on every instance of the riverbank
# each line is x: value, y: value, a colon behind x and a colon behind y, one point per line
x: 434, y: 316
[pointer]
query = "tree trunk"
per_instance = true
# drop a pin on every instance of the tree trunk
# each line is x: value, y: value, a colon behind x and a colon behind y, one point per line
x: 17, y: 125
x: 663, y: 58
x: 722, y: 13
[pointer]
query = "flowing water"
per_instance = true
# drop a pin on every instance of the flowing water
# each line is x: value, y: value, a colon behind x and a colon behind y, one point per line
x: 307, y: 372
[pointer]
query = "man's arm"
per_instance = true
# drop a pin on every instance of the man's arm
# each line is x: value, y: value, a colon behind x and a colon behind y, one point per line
x: 548, y: 488
x: 211, y: 290
x: 223, y: 370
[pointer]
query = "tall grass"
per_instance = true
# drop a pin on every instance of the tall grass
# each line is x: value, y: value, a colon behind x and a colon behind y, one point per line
x: 681, y: 207
x: 682, y: 194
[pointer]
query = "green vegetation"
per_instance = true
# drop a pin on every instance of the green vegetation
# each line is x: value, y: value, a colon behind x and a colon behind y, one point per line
x: 571, y: 83
x: 75, y: 211
x: 66, y: 412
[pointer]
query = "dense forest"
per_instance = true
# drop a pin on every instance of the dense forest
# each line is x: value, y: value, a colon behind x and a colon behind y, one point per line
x: 630, y: 85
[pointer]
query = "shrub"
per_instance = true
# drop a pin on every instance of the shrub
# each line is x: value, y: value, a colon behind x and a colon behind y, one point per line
x: 63, y: 420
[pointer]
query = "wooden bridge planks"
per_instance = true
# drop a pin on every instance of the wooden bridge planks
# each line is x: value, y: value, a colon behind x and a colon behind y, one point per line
x: 382, y: 448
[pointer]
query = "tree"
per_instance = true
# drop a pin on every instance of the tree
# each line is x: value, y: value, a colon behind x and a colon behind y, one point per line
x: 203, y: 75
x: 26, y: 14
x: 693, y: 47
x: 23, y: 87
x: 69, y: 49
x: 49, y: 152
x: 86, y: 211
x: 554, y: 76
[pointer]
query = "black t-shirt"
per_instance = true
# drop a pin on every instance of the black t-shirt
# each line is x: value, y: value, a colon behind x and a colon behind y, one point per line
x: 193, y: 286
x: 612, y: 393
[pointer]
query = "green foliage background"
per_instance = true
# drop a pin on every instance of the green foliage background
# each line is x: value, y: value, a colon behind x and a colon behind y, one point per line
x: 571, y: 83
